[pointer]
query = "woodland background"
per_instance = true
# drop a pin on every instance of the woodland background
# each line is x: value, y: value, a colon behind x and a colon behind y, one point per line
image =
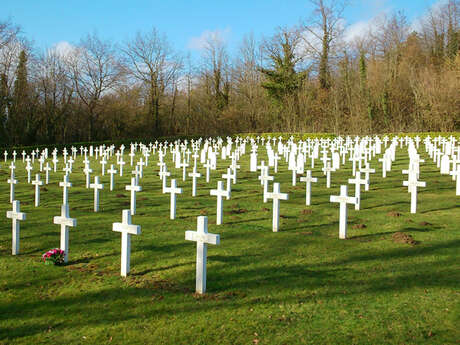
x: 305, y: 78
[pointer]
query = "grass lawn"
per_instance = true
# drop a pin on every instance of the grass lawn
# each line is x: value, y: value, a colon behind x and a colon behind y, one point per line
x: 301, y: 285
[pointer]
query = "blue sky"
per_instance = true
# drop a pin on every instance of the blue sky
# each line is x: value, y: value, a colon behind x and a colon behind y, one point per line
x: 48, y: 22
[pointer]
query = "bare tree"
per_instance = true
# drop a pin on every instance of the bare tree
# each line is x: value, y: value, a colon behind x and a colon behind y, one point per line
x: 217, y: 70
x: 55, y: 91
x: 322, y: 33
x: 152, y: 61
x: 95, y: 70
x: 8, y: 33
x: 247, y: 78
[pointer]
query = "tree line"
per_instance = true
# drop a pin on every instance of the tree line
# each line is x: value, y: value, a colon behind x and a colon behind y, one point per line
x: 306, y: 78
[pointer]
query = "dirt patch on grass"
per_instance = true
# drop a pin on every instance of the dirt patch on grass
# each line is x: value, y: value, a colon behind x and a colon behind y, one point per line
x: 359, y: 226
x: 120, y: 196
x: 265, y: 209
x: 306, y: 211
x: 143, y: 198
x: 394, y: 214
x: 306, y: 233
x: 238, y: 211
x: 204, y: 212
x: 400, y: 237
x: 425, y: 224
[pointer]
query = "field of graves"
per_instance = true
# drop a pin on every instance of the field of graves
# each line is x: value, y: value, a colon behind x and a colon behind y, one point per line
x: 393, y: 280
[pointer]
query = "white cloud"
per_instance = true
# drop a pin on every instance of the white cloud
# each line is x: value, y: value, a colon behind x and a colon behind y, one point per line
x: 63, y: 48
x: 200, y: 42
x: 357, y: 30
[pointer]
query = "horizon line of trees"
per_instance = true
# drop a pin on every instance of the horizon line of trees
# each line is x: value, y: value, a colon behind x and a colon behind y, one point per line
x: 308, y: 77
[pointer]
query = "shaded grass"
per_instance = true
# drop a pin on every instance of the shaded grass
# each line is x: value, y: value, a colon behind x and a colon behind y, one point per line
x: 299, y: 286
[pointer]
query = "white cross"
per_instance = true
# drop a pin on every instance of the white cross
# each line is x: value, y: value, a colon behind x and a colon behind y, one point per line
x: 384, y: 166
x: 207, y: 165
x: 131, y: 155
x: 194, y: 175
x: 456, y: 174
x: 12, y: 167
x: 228, y: 176
x: 97, y: 186
x: 103, y: 163
x: 173, y: 190
x: 367, y: 171
x: 264, y: 178
x: 12, y: 181
x: 16, y: 216
x: 357, y: 181
x: 133, y: 188
x: 29, y: 169
x: 276, y: 195
x: 276, y: 158
x: 220, y: 192
x: 65, y: 185
x: 55, y: 161
x: 202, y: 239
x: 121, y: 163
x: 327, y: 171
x: 127, y: 229
x: 412, y: 185
x: 37, y: 183
x: 112, y: 172
x: 184, y: 166
x: 308, y: 180
x: 343, y: 199
x: 294, y: 176
x: 87, y: 170
x: 163, y: 174
x: 65, y: 222
x: 47, y: 172
x: 141, y: 165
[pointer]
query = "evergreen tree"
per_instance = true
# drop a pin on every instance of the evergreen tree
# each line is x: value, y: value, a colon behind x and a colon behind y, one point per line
x: 365, y: 93
x: 18, y: 117
x: 3, y: 108
x: 282, y: 79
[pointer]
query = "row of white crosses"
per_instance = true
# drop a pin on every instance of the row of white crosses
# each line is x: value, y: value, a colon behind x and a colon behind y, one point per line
x: 220, y: 192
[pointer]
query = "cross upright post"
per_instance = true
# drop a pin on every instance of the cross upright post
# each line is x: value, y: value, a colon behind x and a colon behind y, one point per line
x: 12, y: 181
x: 173, y: 190
x: 65, y: 185
x: 112, y: 171
x: 37, y: 183
x: 343, y: 199
x: 97, y: 186
x: 358, y: 181
x: 127, y: 229
x: 276, y: 195
x: 133, y: 188
x: 220, y: 192
x: 308, y: 180
x: 412, y: 185
x: 16, y: 215
x: 202, y: 239
x: 65, y: 222
x: 194, y: 175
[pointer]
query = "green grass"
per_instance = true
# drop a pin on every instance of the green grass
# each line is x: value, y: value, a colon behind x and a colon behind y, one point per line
x: 299, y: 286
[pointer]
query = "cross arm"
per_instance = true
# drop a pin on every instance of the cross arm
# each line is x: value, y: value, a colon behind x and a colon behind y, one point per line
x: 202, y: 237
x: 128, y: 228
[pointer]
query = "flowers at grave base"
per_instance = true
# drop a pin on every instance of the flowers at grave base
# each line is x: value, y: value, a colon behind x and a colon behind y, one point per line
x: 53, y: 257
